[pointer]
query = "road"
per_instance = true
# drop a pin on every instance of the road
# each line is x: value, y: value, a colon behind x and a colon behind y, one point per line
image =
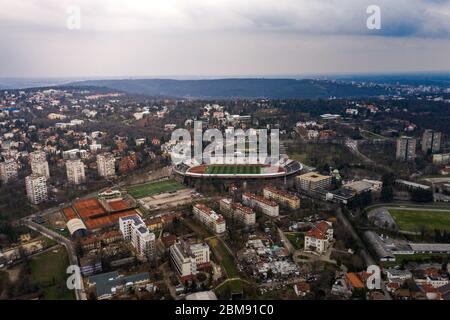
x: 353, y: 146
x: 70, y: 248
x: 363, y: 252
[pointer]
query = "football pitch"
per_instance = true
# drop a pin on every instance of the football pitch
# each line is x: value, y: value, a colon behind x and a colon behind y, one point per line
x: 151, y: 189
x: 217, y: 169
x: 414, y: 220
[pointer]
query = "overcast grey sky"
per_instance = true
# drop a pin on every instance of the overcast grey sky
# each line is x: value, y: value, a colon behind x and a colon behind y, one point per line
x: 221, y: 37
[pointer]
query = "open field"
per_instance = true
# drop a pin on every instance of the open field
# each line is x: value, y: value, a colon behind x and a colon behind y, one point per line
x: 414, y: 220
x: 48, y: 271
x: 296, y: 238
x: 224, y: 257
x: 230, y: 169
x: 151, y: 189
x: 228, y: 288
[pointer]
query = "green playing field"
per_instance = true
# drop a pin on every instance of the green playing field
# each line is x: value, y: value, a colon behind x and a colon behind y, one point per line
x: 224, y: 169
x: 151, y: 189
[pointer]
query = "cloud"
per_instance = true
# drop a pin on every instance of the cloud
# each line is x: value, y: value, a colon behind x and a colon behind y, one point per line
x: 401, y: 18
x: 221, y: 37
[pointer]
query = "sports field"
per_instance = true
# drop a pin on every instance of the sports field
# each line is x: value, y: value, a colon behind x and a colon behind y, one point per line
x: 224, y: 169
x: 151, y: 189
x: 48, y: 272
x: 414, y: 220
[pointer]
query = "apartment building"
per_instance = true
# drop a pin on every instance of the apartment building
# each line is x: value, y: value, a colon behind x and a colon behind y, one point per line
x: 212, y: 220
x: 406, y: 149
x: 268, y: 207
x: 36, y: 187
x: 106, y: 165
x: 75, y: 172
x: 312, y: 180
x: 282, y: 197
x: 8, y: 170
x: 134, y: 229
x: 39, y: 164
x: 431, y: 141
x: 237, y: 211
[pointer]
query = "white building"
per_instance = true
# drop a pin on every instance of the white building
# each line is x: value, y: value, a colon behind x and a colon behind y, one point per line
x: 266, y: 206
x: 312, y: 180
x: 187, y: 258
x: 8, y: 170
x: 319, y: 238
x: 106, y: 165
x: 39, y: 164
x: 36, y: 186
x: 134, y: 229
x: 75, y: 172
x: 237, y: 211
x: 212, y: 220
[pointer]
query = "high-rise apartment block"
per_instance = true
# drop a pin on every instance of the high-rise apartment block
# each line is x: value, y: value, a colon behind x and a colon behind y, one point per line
x: 134, y: 229
x: 75, y: 172
x: 36, y: 186
x: 406, y: 149
x: 431, y: 141
x: 106, y: 165
x: 39, y: 164
x: 8, y: 170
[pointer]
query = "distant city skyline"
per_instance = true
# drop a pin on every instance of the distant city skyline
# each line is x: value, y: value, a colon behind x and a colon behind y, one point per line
x: 222, y: 38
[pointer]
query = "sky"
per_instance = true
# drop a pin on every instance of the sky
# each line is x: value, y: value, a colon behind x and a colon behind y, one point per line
x: 220, y: 38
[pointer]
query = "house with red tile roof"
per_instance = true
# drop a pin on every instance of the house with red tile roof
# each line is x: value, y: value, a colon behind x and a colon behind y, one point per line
x: 319, y: 238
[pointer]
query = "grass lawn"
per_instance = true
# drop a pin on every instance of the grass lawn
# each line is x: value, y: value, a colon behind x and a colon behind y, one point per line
x: 413, y: 220
x: 232, y: 287
x: 297, y: 239
x: 218, y: 169
x: 151, y: 189
x: 300, y: 157
x: 225, y: 258
x: 48, y: 271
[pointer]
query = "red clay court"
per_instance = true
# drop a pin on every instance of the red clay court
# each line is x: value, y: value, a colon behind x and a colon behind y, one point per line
x: 89, y: 208
x: 69, y: 213
x: 118, y: 205
x: 94, y: 215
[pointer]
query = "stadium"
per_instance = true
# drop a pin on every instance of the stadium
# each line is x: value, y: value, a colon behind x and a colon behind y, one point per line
x: 286, y: 167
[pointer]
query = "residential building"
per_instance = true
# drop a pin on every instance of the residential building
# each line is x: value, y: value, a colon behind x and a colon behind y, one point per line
x: 431, y: 141
x: 8, y: 170
x: 395, y: 275
x: 134, y: 229
x: 110, y: 284
x: 188, y: 258
x: 319, y: 238
x: 237, y: 211
x: 282, y: 197
x: 312, y: 180
x: 212, y: 220
x: 39, y: 164
x: 106, y: 165
x: 36, y: 187
x: 441, y: 158
x: 406, y: 149
x: 75, y: 172
x: 90, y: 264
x: 268, y: 207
